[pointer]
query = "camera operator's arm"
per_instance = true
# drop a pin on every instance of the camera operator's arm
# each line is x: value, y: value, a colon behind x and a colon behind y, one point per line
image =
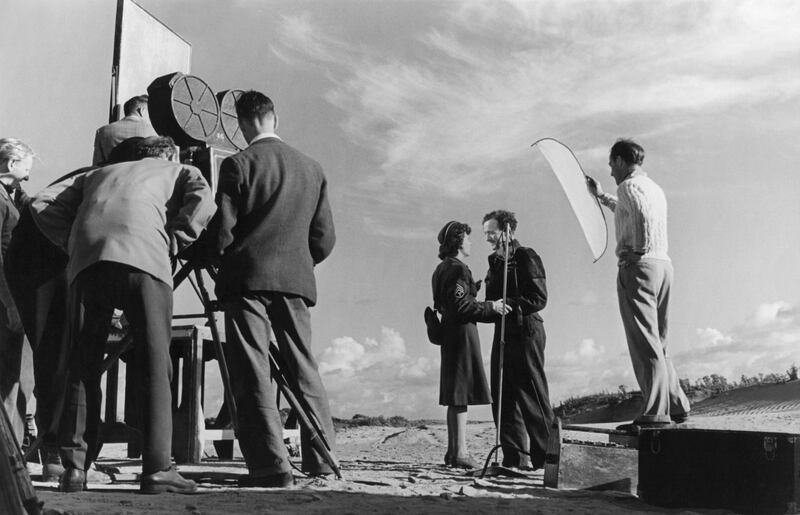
x: 220, y: 230
x: 56, y: 207
x: 196, y: 207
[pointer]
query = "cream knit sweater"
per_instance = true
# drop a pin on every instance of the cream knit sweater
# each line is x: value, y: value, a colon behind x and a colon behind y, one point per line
x: 640, y: 217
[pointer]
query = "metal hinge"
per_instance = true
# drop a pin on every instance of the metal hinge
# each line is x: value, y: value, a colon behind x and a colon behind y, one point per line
x: 770, y: 447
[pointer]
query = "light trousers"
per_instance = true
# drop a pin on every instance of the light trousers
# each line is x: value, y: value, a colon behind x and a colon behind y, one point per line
x: 643, y: 290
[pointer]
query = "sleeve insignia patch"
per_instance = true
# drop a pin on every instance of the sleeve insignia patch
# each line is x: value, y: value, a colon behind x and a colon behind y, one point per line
x: 460, y: 291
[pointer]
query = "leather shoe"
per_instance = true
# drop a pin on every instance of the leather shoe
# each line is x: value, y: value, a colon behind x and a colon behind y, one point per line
x: 521, y: 462
x: 72, y: 480
x: 447, y: 458
x: 680, y: 418
x: 464, y: 462
x: 280, y: 480
x: 166, y: 481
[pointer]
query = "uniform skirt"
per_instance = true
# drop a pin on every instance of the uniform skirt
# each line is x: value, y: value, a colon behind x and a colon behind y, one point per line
x: 462, y: 380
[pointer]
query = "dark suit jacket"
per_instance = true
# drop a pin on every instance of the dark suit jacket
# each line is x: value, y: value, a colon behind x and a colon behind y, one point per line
x: 274, y: 222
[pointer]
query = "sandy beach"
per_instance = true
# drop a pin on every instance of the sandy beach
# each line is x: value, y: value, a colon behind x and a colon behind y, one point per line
x: 389, y: 470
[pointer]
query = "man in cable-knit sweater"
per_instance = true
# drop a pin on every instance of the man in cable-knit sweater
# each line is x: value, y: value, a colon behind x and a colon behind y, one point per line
x: 643, y: 282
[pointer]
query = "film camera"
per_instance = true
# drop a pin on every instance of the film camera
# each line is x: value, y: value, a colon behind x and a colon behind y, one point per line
x: 202, y: 123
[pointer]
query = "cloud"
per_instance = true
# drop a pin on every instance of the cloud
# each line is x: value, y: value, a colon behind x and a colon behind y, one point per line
x: 480, y: 81
x: 303, y: 43
x: 379, y: 377
x: 589, y: 298
x: 590, y: 369
x: 768, y: 341
x: 774, y: 313
x: 588, y: 350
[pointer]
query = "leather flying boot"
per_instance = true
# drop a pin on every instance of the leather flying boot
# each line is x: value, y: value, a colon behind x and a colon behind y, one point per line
x: 166, y: 481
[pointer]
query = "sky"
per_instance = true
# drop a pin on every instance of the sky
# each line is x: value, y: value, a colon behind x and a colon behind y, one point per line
x: 424, y: 111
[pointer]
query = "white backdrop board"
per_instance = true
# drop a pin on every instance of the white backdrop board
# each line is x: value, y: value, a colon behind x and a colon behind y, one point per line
x: 144, y: 49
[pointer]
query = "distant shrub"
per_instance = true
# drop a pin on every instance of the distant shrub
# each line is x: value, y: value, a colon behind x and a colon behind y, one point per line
x: 379, y: 421
x: 701, y: 388
x: 575, y: 405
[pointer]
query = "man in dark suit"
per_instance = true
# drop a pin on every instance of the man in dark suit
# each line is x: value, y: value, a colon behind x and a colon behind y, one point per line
x: 127, y: 219
x: 135, y: 124
x: 273, y: 225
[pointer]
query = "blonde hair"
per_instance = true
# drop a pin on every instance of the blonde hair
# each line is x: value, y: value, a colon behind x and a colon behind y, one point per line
x: 14, y: 149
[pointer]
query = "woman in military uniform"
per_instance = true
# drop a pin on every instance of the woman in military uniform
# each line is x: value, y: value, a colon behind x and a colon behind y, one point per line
x: 462, y: 379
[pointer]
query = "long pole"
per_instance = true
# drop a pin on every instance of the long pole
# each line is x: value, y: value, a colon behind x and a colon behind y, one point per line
x: 502, y: 342
x: 227, y: 390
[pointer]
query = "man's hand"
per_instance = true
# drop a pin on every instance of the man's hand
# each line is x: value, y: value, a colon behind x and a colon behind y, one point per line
x: 594, y: 187
x: 174, y: 246
x: 500, y: 307
x: 14, y: 322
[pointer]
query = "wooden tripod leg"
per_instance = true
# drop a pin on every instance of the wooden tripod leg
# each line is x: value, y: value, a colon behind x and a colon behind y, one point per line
x: 223, y: 363
x: 305, y: 416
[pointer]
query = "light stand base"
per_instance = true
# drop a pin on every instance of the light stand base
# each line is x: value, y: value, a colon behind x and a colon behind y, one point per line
x: 495, y: 469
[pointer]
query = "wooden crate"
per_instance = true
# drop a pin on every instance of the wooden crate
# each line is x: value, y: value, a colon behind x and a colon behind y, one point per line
x: 591, y: 465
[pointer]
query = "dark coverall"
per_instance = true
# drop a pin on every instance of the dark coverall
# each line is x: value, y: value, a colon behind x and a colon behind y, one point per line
x: 37, y: 277
x: 36, y: 272
x: 526, y: 412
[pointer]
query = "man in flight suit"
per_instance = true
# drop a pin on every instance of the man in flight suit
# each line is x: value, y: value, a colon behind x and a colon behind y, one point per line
x: 526, y: 413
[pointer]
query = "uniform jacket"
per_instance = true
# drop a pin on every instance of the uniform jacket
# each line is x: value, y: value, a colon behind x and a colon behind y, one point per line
x: 526, y: 285
x: 274, y: 222
x: 454, y: 294
x: 135, y: 213
x: 109, y: 136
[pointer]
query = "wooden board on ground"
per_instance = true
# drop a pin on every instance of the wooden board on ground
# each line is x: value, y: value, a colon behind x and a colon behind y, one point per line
x: 609, y: 464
